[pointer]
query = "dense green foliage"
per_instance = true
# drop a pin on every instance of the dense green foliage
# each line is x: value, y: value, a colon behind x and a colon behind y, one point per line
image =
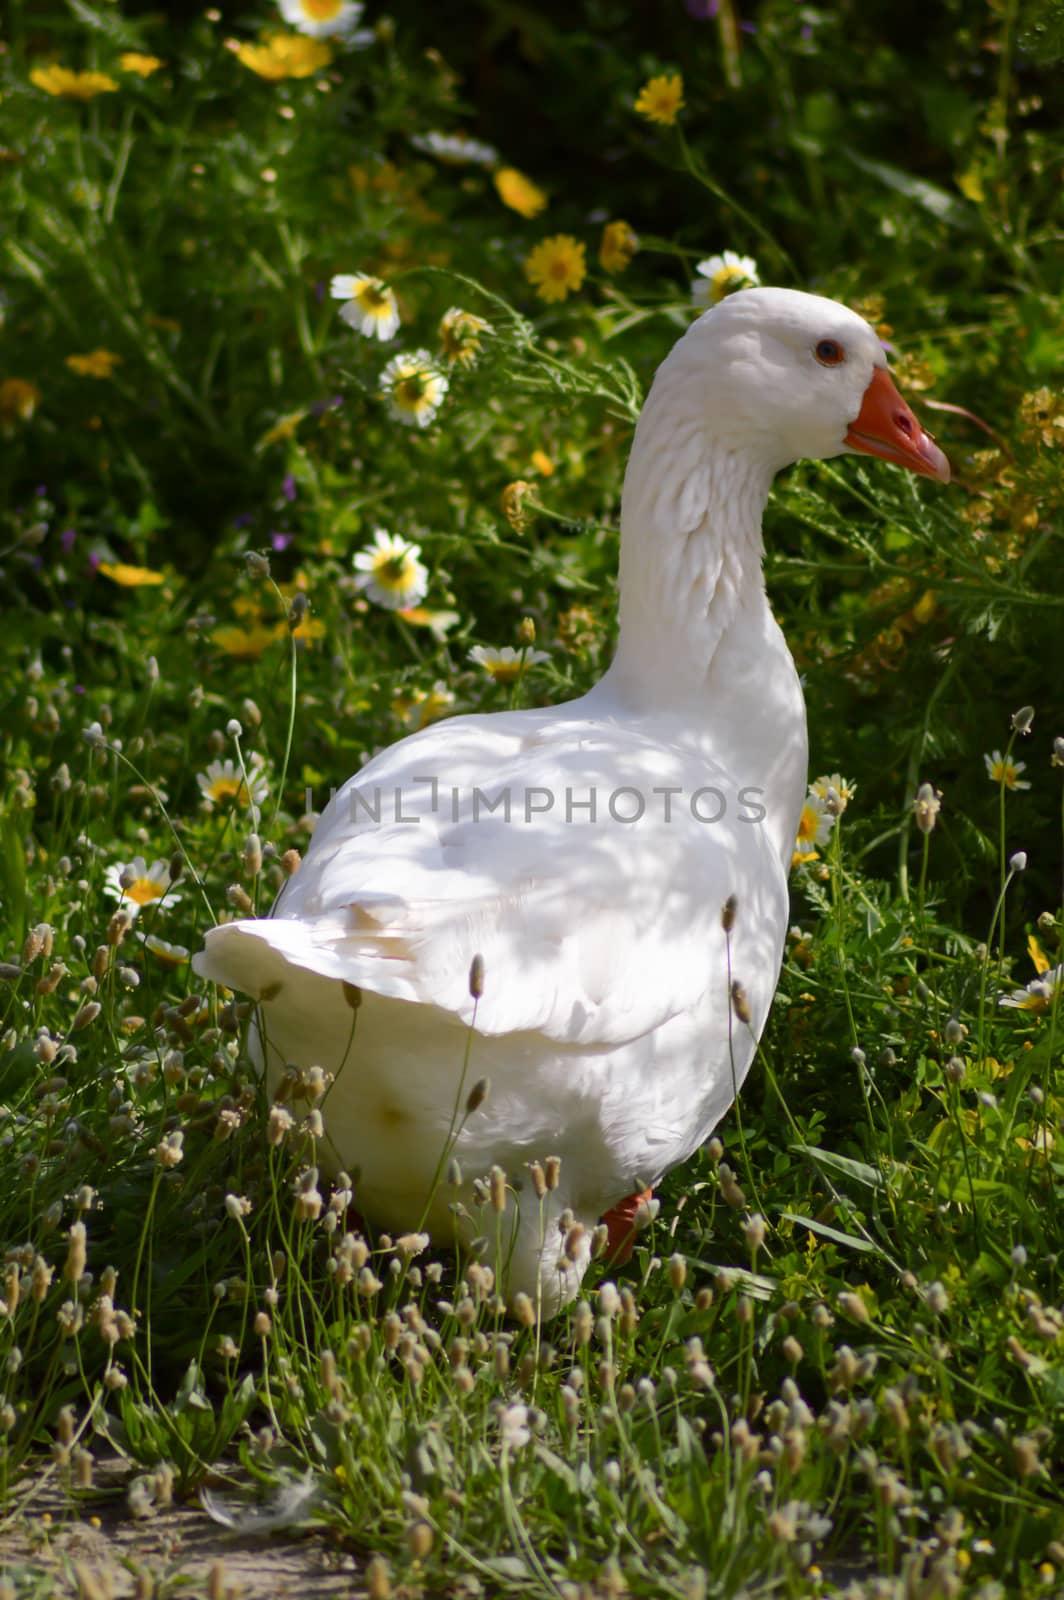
x: 195, y: 448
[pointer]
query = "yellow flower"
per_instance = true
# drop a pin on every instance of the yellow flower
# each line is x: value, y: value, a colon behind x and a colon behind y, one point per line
x: 72, y: 85
x: 285, y: 55
x: 142, y: 66
x: 460, y: 336
x: 438, y: 622
x: 556, y: 267
x: 371, y: 307
x: 661, y: 99
x: 519, y: 192
x: 131, y: 577
x: 542, y: 463
x: 170, y: 955
x: 244, y: 644
x: 1039, y: 994
x: 619, y: 245
x: 419, y: 708
x: 18, y: 400
x: 283, y: 430
x: 94, y: 364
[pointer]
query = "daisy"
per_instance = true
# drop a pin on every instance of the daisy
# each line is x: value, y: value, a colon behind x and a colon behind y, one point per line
x: 1000, y: 770
x: 619, y: 244
x: 722, y: 275
x: 506, y: 665
x: 456, y: 149
x: 170, y: 955
x: 414, y: 387
x: 223, y: 783
x: 370, y: 308
x: 814, y: 826
x: 556, y: 267
x: 390, y: 573
x: 460, y: 333
x: 322, y: 18
x: 661, y: 99
x: 835, y: 790
x: 1038, y: 995
x: 135, y: 884
x: 519, y: 192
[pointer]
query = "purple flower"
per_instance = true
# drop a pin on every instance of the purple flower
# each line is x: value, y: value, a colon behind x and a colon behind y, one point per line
x: 66, y: 540
x: 288, y: 487
x: 280, y: 541
x: 243, y: 520
x: 702, y: 10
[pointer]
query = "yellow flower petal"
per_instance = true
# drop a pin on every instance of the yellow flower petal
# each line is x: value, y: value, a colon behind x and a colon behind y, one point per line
x: 131, y: 577
x: 519, y: 192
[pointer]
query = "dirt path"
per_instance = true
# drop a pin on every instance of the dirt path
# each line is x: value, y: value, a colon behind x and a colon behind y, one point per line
x: 102, y: 1552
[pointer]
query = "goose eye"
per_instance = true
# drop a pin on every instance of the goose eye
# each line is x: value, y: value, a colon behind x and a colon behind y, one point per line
x: 829, y: 353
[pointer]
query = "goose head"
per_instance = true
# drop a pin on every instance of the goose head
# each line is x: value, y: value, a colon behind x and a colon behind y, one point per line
x: 785, y: 376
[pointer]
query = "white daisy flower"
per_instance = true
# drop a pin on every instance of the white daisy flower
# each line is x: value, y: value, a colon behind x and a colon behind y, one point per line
x: 456, y: 149
x: 506, y: 665
x: 370, y: 308
x: 460, y: 334
x: 323, y: 19
x: 223, y: 783
x: 136, y: 884
x: 814, y: 826
x: 170, y: 955
x: 414, y: 387
x: 390, y: 573
x: 1039, y: 994
x: 1000, y: 770
x: 722, y: 275
x: 835, y: 790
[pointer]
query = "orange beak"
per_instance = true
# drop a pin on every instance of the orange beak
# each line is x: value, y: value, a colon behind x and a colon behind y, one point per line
x: 885, y: 427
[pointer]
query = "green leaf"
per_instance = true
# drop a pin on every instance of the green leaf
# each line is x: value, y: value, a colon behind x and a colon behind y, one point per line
x: 848, y: 1240
x: 943, y: 206
x: 858, y: 1170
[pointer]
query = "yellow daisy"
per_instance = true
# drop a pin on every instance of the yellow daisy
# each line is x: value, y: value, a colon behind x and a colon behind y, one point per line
x: 661, y: 99
x: 169, y: 955
x: 18, y: 400
x: 814, y: 827
x: 519, y: 192
x: 460, y: 333
x: 94, y: 363
x: 72, y: 85
x: 244, y: 644
x: 142, y: 66
x: 414, y: 388
x: 556, y: 267
x: 420, y: 707
x: 285, y: 55
x: 128, y: 577
x: 619, y: 244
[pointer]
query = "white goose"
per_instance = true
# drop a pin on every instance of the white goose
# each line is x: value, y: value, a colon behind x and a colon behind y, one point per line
x: 634, y: 813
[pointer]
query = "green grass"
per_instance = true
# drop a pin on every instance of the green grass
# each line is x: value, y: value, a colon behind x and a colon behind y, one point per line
x: 839, y: 1346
